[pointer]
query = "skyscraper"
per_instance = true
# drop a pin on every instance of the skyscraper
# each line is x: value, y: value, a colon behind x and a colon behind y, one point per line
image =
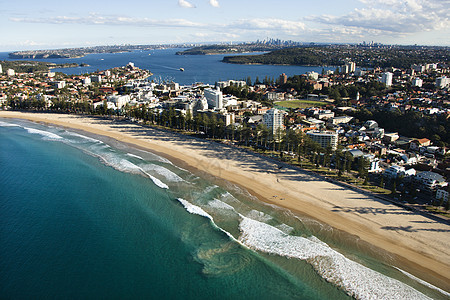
x: 387, y: 78
x: 274, y: 119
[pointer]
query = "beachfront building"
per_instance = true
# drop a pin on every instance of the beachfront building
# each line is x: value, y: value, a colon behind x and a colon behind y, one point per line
x: 324, y: 138
x: 430, y: 181
x: 119, y: 101
x: 214, y: 98
x: 274, y: 119
x: 442, y: 194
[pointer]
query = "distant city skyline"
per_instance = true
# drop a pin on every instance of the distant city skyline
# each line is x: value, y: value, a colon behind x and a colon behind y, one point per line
x: 49, y: 24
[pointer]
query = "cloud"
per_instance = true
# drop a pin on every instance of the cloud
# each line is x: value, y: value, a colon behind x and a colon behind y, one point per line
x: 398, y: 17
x: 214, y: 3
x: 186, y: 4
x: 269, y: 24
x: 95, y: 19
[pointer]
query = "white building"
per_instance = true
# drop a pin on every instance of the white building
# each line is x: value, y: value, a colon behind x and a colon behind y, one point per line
x: 59, y: 84
x: 324, y: 138
x: 229, y: 100
x: 1, y: 70
x: 214, y: 98
x: 340, y: 120
x: 387, y: 78
x: 442, y: 82
x: 237, y: 83
x: 86, y: 81
x: 394, y: 171
x: 313, y: 75
x: 430, y: 180
x: 119, y: 101
x: 417, y: 82
x: 349, y: 67
x: 10, y: 72
x: 273, y: 119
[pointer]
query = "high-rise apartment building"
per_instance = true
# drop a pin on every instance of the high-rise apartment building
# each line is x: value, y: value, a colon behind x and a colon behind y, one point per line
x: 274, y: 119
x: 214, y: 98
x: 387, y: 78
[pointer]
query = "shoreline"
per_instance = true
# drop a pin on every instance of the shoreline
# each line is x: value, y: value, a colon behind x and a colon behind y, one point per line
x: 423, y: 252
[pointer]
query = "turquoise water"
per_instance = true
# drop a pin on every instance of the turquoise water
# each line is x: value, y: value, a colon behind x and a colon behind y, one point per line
x: 82, y: 218
x: 165, y: 65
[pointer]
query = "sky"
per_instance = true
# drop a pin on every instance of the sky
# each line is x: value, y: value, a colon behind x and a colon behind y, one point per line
x: 52, y: 24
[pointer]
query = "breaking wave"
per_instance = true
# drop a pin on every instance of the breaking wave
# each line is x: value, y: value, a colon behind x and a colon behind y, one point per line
x: 355, y: 279
x: 45, y: 134
x: 4, y: 124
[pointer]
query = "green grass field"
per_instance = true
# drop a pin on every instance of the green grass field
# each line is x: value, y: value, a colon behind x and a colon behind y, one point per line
x: 300, y: 103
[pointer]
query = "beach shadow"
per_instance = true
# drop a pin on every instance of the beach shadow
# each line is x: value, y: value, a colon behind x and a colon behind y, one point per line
x: 411, y: 229
x: 370, y: 210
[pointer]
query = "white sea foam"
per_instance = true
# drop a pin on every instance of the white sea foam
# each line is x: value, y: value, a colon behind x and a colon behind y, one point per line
x: 158, y: 182
x: 157, y: 157
x: 135, y: 156
x: 210, y: 188
x: 216, y: 203
x: 285, y: 228
x: 194, y: 209
x: 87, y: 138
x: 355, y: 279
x: 4, y: 124
x: 425, y: 283
x: 259, y: 216
x: 45, y: 134
x: 169, y: 175
x: 197, y: 210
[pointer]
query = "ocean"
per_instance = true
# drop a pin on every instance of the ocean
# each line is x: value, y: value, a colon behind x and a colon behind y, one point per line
x: 87, y: 217
x: 165, y: 66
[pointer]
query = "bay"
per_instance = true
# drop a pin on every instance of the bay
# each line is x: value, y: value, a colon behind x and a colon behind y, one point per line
x: 165, y: 66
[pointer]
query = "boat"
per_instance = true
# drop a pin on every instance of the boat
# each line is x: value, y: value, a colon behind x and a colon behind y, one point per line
x: 182, y: 69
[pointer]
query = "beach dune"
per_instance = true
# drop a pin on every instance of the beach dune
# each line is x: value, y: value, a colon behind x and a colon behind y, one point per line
x: 421, y: 245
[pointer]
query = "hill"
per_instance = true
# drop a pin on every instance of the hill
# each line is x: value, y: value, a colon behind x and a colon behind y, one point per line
x: 334, y: 55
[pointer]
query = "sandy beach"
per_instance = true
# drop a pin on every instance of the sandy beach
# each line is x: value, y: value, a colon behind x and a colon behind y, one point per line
x: 421, y: 245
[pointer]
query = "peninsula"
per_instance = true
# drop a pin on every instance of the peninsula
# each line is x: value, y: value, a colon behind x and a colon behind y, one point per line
x: 81, y: 52
x: 384, y: 56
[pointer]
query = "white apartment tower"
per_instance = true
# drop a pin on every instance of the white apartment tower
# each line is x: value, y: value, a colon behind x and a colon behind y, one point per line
x: 417, y: 82
x: 387, y: 78
x: 442, y: 82
x: 349, y: 67
x: 324, y: 138
x: 1, y: 71
x: 214, y: 98
x: 274, y: 119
